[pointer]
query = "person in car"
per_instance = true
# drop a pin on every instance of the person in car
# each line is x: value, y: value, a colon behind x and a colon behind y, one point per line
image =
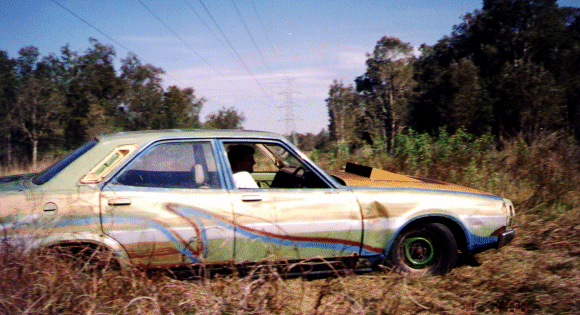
x: 242, y: 161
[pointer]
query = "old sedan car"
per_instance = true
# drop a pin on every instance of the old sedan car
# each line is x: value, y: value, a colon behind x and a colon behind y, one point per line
x: 161, y: 199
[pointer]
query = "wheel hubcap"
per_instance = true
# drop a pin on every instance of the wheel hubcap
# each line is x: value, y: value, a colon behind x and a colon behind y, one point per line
x: 419, y: 251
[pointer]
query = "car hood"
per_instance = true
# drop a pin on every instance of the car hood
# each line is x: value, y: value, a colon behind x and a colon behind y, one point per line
x: 14, y: 182
x: 364, y: 176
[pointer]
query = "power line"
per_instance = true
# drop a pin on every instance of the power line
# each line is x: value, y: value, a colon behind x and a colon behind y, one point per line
x: 211, y: 31
x: 235, y: 51
x: 193, y: 50
x: 251, y: 37
x: 204, y: 23
x: 178, y: 37
x: 267, y: 37
x: 181, y: 39
x: 110, y: 38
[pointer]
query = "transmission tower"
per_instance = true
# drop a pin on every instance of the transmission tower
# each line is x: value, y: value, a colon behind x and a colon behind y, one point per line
x: 289, y: 118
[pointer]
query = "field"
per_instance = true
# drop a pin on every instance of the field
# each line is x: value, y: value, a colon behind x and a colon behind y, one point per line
x: 538, y: 273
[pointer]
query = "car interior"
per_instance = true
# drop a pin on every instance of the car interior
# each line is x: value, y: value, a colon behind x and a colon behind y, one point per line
x: 276, y: 167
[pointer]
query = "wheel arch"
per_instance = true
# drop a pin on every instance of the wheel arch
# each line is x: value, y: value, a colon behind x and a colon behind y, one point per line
x: 90, y: 242
x: 451, y: 223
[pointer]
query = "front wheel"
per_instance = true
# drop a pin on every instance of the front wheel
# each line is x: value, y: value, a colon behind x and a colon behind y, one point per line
x: 429, y: 249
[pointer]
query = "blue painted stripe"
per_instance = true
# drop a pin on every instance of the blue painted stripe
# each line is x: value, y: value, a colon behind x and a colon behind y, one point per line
x: 290, y: 243
x: 239, y: 229
x: 473, y: 241
x: 191, y: 212
x: 132, y: 221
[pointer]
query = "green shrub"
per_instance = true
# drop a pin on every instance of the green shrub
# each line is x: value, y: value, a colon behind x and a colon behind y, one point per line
x: 535, y: 173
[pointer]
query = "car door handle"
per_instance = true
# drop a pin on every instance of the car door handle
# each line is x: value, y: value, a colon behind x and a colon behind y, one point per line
x: 251, y: 198
x: 119, y: 202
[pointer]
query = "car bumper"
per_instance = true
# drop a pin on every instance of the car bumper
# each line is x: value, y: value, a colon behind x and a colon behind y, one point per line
x: 505, y: 238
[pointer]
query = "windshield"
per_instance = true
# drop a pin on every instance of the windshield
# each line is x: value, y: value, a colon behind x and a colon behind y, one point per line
x: 54, y: 169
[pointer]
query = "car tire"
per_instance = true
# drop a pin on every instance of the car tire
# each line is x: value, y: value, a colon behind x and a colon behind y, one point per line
x: 429, y: 249
x: 85, y: 257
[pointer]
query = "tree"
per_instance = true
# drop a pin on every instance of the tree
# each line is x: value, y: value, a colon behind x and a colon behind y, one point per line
x: 181, y: 108
x: 486, y: 53
x: 38, y: 110
x: 8, y: 84
x: 344, y: 111
x: 453, y: 97
x: 508, y: 30
x: 569, y: 67
x: 56, y: 103
x: 143, y: 100
x: 388, y: 84
x: 533, y: 100
x: 27, y: 61
x: 309, y: 142
x: 467, y: 103
x: 225, y: 118
x: 93, y: 93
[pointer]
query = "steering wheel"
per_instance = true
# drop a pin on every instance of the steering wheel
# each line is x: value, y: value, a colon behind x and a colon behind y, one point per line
x: 301, y: 178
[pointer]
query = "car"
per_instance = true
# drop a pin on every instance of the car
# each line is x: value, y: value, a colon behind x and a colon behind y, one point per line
x: 163, y: 199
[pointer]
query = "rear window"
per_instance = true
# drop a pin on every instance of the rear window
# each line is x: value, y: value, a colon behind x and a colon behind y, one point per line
x: 54, y: 169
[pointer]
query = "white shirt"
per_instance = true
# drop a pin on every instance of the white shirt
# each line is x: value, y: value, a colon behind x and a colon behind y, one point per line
x: 244, y: 180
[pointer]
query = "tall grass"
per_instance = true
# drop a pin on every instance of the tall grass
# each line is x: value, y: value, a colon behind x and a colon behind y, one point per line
x: 538, y: 273
x: 543, y: 172
x: 46, y: 284
x: 25, y: 168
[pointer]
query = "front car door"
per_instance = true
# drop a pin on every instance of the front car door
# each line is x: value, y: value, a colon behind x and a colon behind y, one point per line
x: 167, y: 207
x: 295, y: 213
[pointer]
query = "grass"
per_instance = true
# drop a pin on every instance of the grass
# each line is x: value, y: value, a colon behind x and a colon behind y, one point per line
x: 538, y: 273
x: 23, y: 169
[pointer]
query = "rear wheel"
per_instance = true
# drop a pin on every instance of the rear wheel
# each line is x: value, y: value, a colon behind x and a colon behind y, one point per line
x: 85, y: 257
x: 429, y: 249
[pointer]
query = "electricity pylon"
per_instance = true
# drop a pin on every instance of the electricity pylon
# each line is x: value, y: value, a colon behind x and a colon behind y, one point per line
x: 289, y: 117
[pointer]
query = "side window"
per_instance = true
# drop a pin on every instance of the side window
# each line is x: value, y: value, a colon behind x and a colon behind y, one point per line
x: 173, y: 165
x: 270, y: 166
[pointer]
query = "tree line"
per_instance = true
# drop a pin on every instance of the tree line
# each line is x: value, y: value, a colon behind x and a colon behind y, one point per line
x: 56, y: 103
x: 509, y: 69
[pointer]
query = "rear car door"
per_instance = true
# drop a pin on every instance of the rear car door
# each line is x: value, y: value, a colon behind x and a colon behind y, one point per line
x: 167, y: 206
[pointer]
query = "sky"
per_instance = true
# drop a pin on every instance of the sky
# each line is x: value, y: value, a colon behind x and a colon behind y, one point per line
x: 272, y: 61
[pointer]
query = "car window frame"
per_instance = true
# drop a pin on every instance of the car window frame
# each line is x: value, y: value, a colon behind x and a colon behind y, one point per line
x: 299, y: 155
x: 149, y: 146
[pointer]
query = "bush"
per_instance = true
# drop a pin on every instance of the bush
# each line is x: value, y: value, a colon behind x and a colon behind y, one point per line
x: 537, y: 174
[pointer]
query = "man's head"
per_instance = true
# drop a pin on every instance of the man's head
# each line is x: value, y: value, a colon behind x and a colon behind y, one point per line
x: 241, y: 158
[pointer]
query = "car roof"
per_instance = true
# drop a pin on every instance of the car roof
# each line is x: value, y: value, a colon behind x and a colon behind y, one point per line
x: 151, y: 135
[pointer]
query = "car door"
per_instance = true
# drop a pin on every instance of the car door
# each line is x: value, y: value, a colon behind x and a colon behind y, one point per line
x: 167, y: 206
x: 291, y: 222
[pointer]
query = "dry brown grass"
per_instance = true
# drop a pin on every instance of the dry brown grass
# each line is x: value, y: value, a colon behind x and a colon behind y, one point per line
x: 25, y: 168
x: 538, y: 274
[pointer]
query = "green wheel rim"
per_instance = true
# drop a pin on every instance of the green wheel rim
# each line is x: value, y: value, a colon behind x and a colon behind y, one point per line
x: 419, y: 251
